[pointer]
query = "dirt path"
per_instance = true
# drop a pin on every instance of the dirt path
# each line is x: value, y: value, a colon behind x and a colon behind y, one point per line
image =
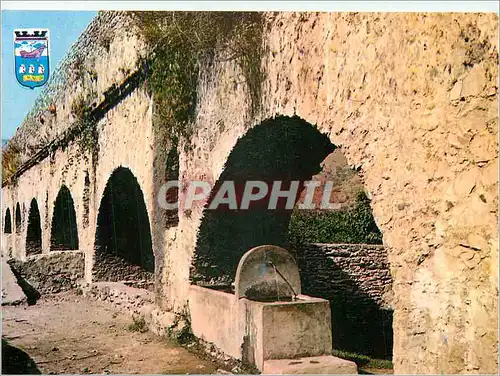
x: 74, y: 334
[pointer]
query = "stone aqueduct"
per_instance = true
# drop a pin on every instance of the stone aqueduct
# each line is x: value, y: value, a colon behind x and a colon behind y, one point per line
x: 412, y: 100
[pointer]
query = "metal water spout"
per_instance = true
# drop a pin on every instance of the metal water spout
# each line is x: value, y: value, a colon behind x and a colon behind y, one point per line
x: 271, y: 264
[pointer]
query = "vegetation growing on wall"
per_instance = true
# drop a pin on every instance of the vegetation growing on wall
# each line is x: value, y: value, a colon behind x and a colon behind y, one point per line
x: 11, y: 159
x: 84, y: 126
x: 355, y: 225
x: 181, y: 42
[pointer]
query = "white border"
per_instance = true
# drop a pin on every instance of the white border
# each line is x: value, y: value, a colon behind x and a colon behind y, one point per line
x: 331, y: 6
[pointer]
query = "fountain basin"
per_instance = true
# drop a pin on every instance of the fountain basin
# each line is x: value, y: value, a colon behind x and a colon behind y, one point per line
x: 256, y: 331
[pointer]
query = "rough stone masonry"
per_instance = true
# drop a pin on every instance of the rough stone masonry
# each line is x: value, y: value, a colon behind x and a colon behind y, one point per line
x: 412, y: 100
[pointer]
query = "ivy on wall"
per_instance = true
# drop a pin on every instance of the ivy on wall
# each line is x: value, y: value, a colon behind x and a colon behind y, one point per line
x: 355, y: 225
x: 181, y: 42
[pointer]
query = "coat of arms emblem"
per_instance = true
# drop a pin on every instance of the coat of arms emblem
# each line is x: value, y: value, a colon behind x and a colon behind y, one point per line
x: 31, y: 52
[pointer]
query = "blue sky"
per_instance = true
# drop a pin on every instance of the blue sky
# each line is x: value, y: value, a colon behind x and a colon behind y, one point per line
x: 64, y: 26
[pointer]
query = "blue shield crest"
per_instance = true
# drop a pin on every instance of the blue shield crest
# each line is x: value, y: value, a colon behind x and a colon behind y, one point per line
x: 31, y: 54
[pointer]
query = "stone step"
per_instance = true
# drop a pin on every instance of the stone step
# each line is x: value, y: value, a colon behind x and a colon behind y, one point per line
x: 326, y: 364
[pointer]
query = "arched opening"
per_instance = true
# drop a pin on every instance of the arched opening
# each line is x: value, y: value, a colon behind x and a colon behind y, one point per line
x: 283, y: 149
x: 7, y: 229
x: 18, y: 218
x: 34, y: 233
x: 342, y: 259
x: 289, y: 149
x: 123, y: 243
x: 64, y: 232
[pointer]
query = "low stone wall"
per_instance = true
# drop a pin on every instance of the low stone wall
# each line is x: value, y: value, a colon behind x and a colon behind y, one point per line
x: 52, y: 272
x: 356, y: 279
x: 363, y: 265
x: 110, y: 268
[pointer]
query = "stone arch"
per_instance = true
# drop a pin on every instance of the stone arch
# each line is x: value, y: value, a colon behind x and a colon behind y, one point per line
x: 18, y: 218
x: 64, y: 231
x: 283, y: 148
x: 7, y: 229
x: 286, y: 149
x: 34, y: 232
x: 123, y: 241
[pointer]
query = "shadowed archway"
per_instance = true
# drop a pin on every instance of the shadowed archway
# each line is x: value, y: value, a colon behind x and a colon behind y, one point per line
x: 123, y: 243
x: 34, y: 232
x: 283, y: 149
x: 7, y: 229
x: 18, y: 218
x: 64, y: 232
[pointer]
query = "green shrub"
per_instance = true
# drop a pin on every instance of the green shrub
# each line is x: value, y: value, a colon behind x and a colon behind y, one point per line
x: 355, y: 225
x: 139, y: 325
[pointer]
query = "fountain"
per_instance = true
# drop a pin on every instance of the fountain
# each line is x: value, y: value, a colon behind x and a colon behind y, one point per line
x: 266, y: 321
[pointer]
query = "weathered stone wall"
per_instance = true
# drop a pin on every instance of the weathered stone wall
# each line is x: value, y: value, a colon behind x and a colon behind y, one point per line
x: 84, y: 159
x: 412, y: 100
x: 74, y: 167
x: 131, y: 120
x: 52, y: 273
